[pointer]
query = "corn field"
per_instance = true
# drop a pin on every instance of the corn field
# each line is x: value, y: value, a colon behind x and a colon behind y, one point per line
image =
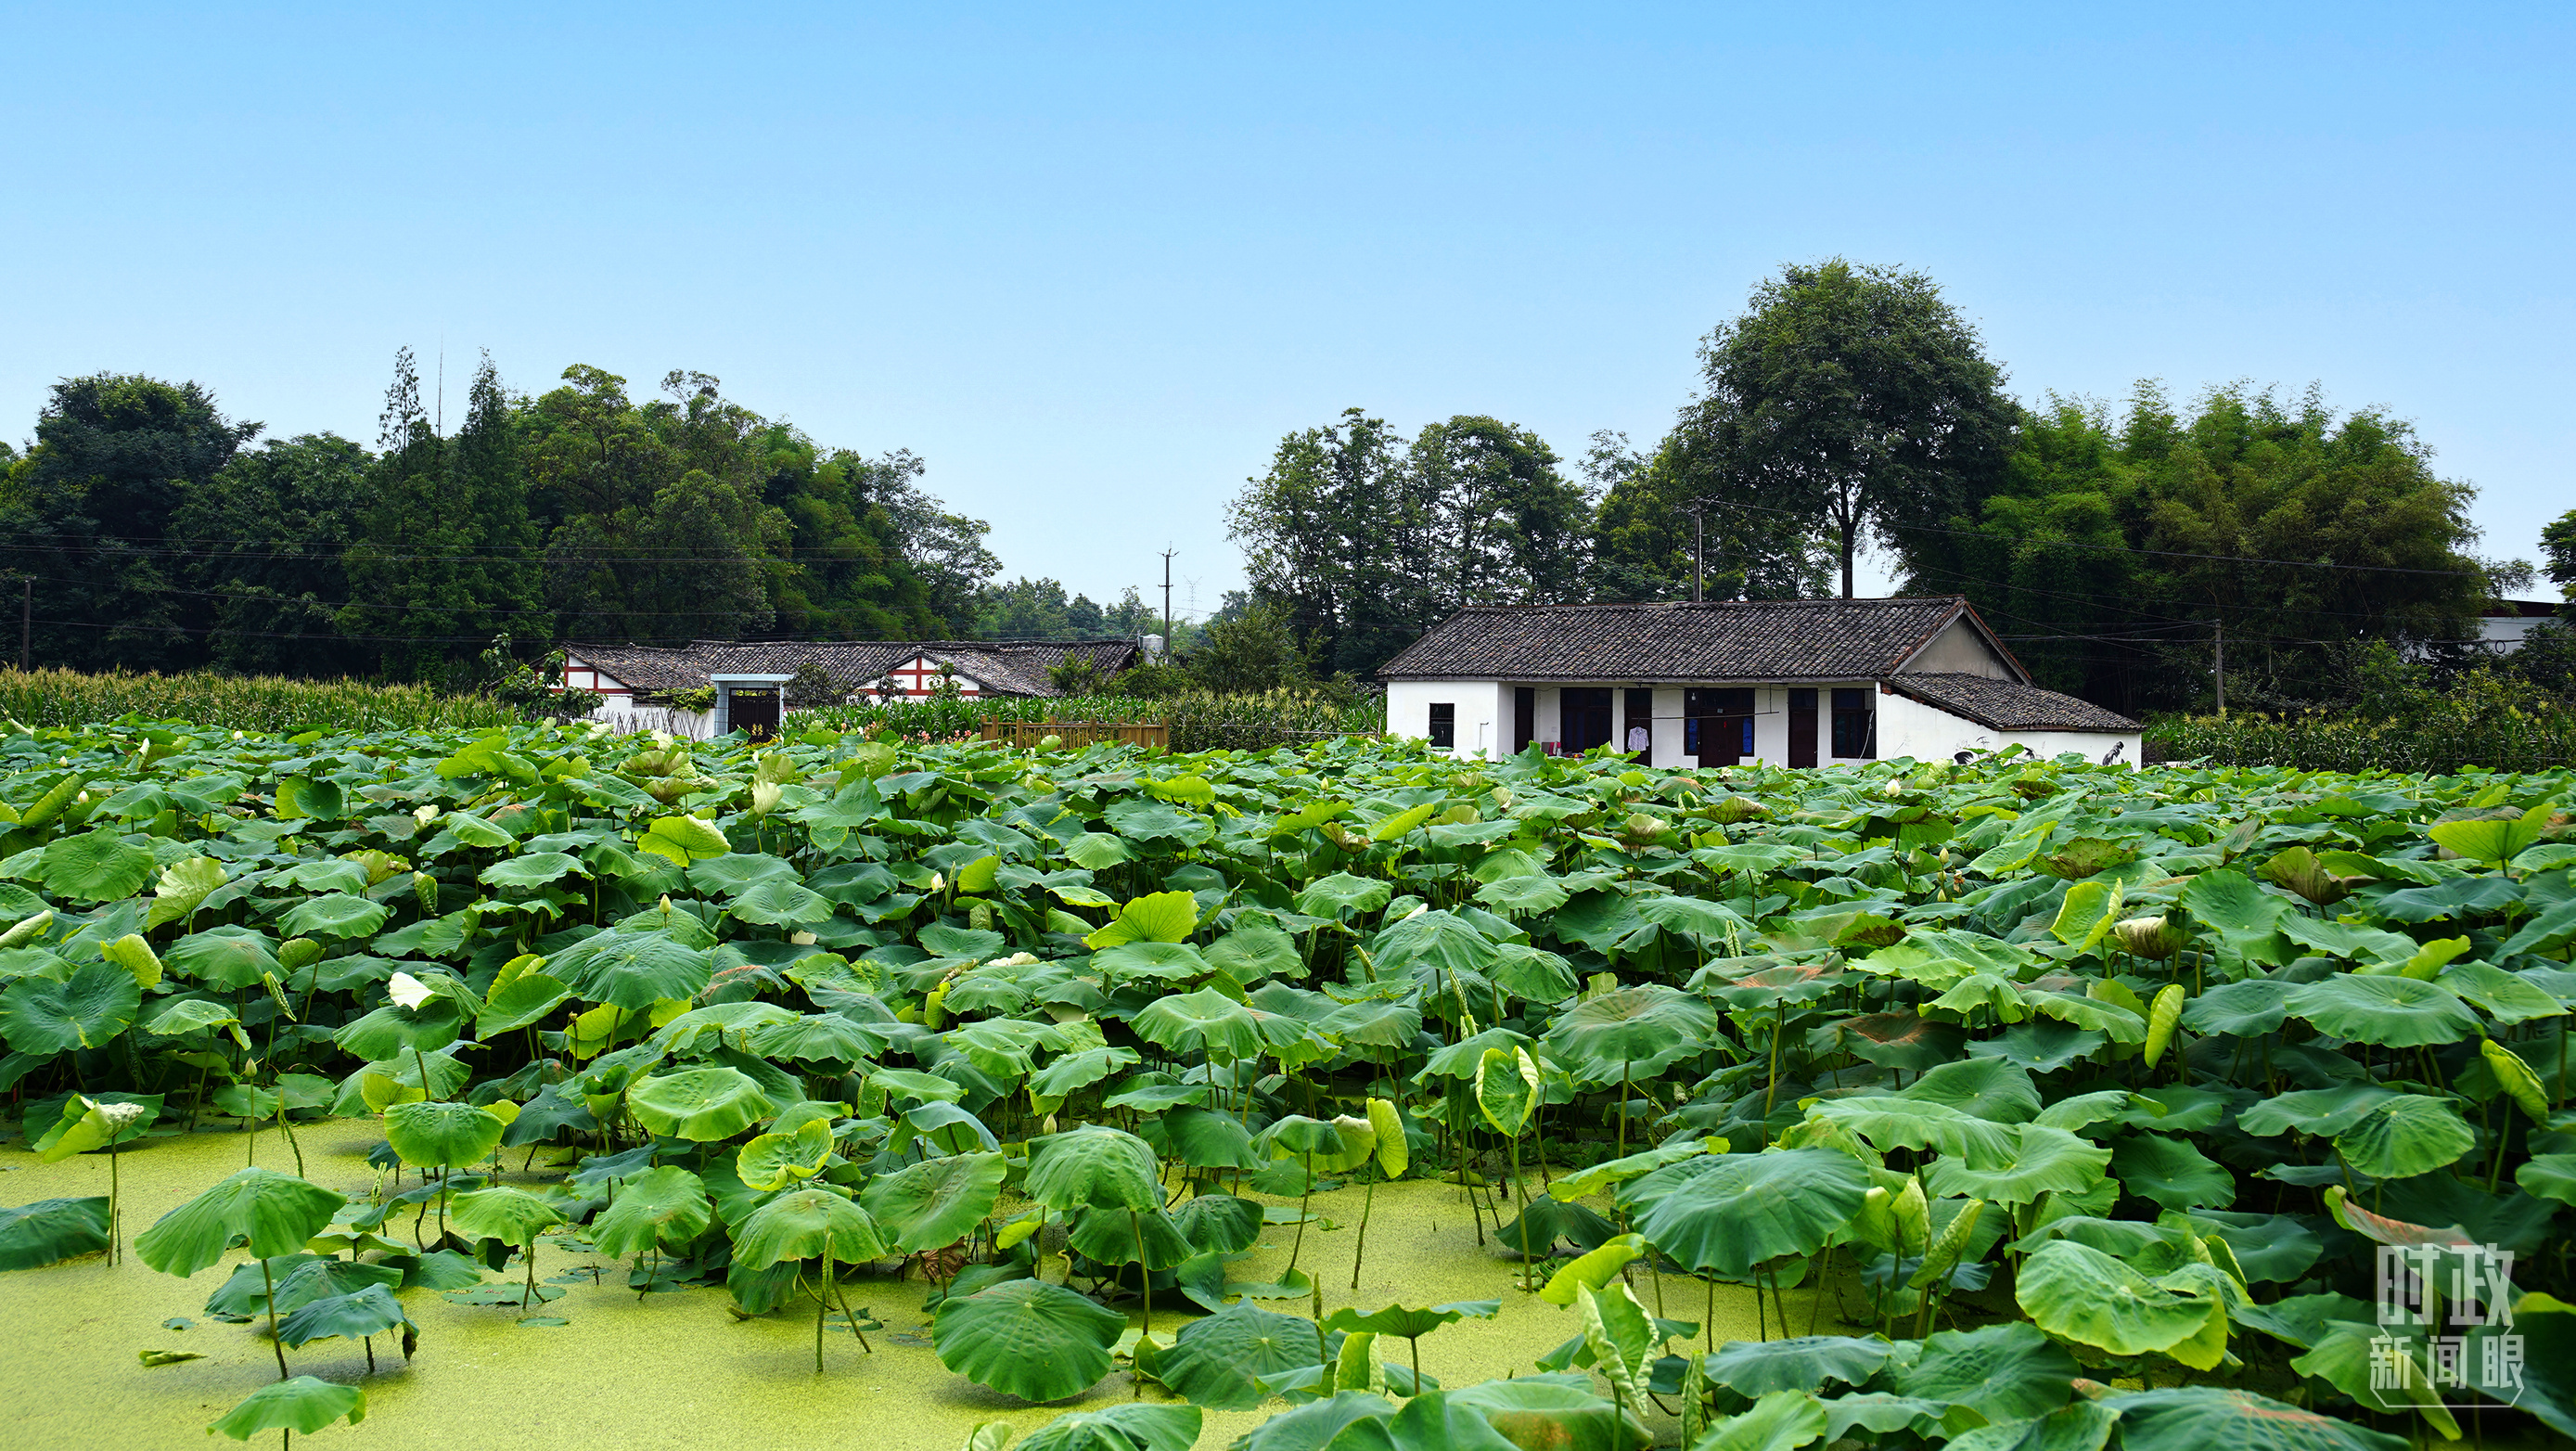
x: 241, y: 703
x: 1199, y: 721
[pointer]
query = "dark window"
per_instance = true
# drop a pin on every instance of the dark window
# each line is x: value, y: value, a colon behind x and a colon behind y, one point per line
x: 1444, y: 723
x: 1720, y: 730
x: 1641, y: 717
x: 1855, y: 726
x: 1583, y: 717
x: 1802, y: 727
x: 1524, y: 716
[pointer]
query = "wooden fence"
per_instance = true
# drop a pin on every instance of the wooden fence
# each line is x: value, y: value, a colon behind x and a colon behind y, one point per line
x: 1024, y: 734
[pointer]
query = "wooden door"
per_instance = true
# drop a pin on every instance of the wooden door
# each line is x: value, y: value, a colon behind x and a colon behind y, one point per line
x: 1583, y: 714
x: 1721, y: 725
x: 1524, y: 717
x: 753, y: 710
x: 1802, y: 728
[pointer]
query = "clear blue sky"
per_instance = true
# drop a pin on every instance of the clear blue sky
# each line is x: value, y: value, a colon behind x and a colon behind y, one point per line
x: 1092, y: 263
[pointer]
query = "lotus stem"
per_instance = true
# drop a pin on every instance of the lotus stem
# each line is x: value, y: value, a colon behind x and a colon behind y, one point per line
x: 1359, y: 1250
x: 822, y: 1305
x: 275, y: 1344
x: 1303, y: 1200
x: 843, y: 1296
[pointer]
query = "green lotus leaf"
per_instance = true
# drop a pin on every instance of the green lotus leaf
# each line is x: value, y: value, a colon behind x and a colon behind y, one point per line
x: 2076, y: 1291
x: 95, y: 866
x: 935, y: 1203
x: 1131, y: 1427
x: 1204, y: 1139
x: 1532, y: 1410
x: 777, y: 1159
x: 90, y: 1009
x: 225, y: 957
x: 1343, y: 895
x: 1219, y: 1223
x: 523, y: 1002
x: 1159, y: 917
x: 275, y: 1213
x: 1887, y: 1122
x: 2196, y: 1418
x: 1218, y: 1361
x: 734, y: 874
x: 634, y: 969
x: 442, y: 1134
x: 804, y: 1224
x: 512, y: 1216
x: 781, y: 904
x: 394, y: 1030
x: 1507, y: 1089
x: 1094, y: 1167
x: 2404, y: 1136
x: 663, y: 1209
x: 718, y: 1025
x: 699, y: 1104
x: 531, y: 871
x: 1027, y: 1338
x: 827, y: 1038
x: 2171, y: 1172
x: 51, y: 1230
x: 1126, y: 1236
x: 1205, y: 1021
x: 2491, y: 840
x: 1803, y: 1363
x: 335, y: 915
x: 301, y: 1404
x: 183, y: 885
x: 2045, y: 1161
x: 1778, y: 1421
x: 2395, y: 1012
x: 1746, y: 1209
x: 2243, y: 1009
x: 2083, y: 1426
x: 1255, y: 949
x: 354, y: 1316
x: 2547, y: 1176
x: 914, y: 1084
x: 1635, y: 1031
x: 1076, y: 1071
x: 683, y: 839
x: 2006, y: 1372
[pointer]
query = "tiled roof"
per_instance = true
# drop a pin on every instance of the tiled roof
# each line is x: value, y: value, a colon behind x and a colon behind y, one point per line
x: 1009, y: 667
x: 1718, y: 640
x: 2007, y: 705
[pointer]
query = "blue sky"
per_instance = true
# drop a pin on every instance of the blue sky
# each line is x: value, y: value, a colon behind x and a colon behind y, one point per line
x: 1092, y: 264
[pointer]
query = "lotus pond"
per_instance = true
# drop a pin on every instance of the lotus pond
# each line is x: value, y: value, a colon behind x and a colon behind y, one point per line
x: 547, y: 1086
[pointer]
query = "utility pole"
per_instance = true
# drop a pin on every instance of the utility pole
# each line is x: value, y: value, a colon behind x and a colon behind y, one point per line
x: 1699, y: 552
x: 2221, y: 637
x: 26, y: 618
x: 1167, y: 601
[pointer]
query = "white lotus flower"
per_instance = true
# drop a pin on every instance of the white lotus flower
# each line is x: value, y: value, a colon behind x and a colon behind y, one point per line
x: 409, y: 991
x: 425, y: 814
x: 801, y: 939
x: 119, y: 1116
x: 938, y: 883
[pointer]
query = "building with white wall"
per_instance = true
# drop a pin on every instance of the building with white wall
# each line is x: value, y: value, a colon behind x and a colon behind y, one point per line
x: 638, y: 682
x: 1787, y: 682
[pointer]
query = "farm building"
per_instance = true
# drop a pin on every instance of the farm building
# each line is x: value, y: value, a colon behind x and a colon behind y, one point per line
x: 1787, y: 682
x: 749, y: 677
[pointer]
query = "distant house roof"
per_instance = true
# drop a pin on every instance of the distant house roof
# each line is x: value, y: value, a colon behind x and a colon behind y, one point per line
x: 2008, y: 705
x: 1717, y: 640
x: 2521, y: 609
x: 1006, y: 667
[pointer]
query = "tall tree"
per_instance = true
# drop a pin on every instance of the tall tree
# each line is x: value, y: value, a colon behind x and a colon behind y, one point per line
x: 1654, y: 540
x: 445, y: 559
x: 262, y: 545
x: 2122, y: 549
x: 1507, y: 527
x: 86, y: 513
x: 1853, y: 397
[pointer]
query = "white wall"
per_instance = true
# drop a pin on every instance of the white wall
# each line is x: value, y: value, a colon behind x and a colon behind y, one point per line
x: 622, y: 712
x: 1483, y: 713
x: 1908, y: 727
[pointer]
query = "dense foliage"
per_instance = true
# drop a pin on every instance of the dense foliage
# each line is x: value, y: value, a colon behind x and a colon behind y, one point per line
x: 2117, y: 1075
x: 2491, y: 718
x: 160, y: 540
x: 1200, y: 720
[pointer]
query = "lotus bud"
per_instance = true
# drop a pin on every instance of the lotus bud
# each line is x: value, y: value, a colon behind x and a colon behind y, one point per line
x: 2152, y: 937
x: 425, y: 814
x: 666, y: 904
x: 938, y: 883
x: 119, y: 1116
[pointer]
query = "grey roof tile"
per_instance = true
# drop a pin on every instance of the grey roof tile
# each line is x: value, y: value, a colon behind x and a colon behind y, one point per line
x: 1011, y: 667
x: 2007, y: 705
x: 1718, y: 640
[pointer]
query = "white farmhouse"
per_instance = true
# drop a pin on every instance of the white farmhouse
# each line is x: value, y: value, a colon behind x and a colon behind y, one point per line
x: 1787, y: 682
x: 749, y: 676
